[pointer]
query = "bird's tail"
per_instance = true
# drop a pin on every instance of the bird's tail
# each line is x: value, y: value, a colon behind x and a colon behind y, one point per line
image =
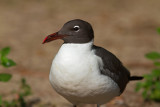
x: 132, y: 78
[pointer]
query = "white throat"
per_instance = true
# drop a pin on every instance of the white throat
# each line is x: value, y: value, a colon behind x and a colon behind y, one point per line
x: 72, y: 53
x: 74, y: 47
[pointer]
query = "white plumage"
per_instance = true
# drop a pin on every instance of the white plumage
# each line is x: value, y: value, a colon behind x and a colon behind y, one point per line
x: 75, y: 75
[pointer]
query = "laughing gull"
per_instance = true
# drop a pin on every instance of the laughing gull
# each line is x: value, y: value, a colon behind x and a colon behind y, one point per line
x: 82, y: 72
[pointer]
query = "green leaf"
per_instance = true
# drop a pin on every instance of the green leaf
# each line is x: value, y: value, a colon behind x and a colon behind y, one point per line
x: 5, y: 51
x: 155, y: 95
x: 148, y: 77
x: 7, y: 62
x: 11, y: 63
x: 144, y: 94
x: 156, y: 72
x: 5, y: 77
x: 158, y: 30
x: 157, y: 64
x: 26, y: 89
x: 138, y: 86
x: 153, y: 55
x: 4, y: 61
x: 157, y: 85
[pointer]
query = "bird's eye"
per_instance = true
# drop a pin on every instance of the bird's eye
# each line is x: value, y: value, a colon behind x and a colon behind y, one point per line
x: 76, y: 28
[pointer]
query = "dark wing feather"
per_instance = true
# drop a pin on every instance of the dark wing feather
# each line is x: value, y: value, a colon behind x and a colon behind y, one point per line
x: 112, y: 67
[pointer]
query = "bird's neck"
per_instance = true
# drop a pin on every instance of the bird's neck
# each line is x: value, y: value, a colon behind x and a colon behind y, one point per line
x: 77, y: 47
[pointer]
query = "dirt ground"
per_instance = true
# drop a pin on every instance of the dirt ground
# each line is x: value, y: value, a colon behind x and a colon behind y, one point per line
x: 124, y: 27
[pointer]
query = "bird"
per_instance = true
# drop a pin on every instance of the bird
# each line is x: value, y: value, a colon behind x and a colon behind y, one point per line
x: 82, y: 72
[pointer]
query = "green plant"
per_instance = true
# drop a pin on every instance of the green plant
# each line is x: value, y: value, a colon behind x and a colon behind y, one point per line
x: 151, y: 84
x: 19, y: 101
x: 24, y: 89
x: 5, y: 62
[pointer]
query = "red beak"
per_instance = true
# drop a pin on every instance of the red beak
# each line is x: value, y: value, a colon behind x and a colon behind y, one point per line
x: 52, y: 37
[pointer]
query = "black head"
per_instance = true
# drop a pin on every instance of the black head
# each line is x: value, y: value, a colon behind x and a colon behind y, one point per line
x: 74, y: 31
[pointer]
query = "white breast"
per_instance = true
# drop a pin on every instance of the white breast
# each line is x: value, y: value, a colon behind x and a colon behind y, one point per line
x: 75, y: 75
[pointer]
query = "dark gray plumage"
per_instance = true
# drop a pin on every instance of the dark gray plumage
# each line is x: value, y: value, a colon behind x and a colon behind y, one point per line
x: 113, y: 67
x: 74, y: 36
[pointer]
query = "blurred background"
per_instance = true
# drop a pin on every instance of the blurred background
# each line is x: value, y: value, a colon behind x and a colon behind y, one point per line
x: 124, y: 27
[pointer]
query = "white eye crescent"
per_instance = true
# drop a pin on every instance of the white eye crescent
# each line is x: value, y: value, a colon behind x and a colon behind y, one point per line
x: 76, y: 28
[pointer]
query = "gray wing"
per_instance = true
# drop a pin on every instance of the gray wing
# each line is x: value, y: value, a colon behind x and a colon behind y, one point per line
x: 112, y: 67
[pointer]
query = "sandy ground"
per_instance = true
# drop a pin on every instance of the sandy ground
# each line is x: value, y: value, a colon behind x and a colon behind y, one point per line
x: 126, y: 28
